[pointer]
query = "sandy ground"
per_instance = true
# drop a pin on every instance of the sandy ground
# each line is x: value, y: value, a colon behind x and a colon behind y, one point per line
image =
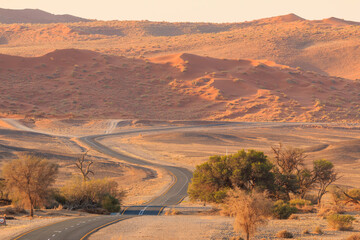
x: 139, y: 184
x: 214, y: 227
x: 192, y: 147
x: 167, y: 227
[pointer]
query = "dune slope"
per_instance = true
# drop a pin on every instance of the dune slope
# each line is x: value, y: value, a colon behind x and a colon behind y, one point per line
x: 81, y: 84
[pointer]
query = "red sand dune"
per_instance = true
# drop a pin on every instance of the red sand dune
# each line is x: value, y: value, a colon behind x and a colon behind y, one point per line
x: 82, y: 84
x: 330, y: 46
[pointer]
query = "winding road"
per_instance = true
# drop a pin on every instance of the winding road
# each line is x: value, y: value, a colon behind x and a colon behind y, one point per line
x: 81, y: 228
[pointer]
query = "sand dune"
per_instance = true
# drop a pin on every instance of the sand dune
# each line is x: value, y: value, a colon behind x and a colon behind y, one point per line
x: 329, y: 46
x: 81, y: 83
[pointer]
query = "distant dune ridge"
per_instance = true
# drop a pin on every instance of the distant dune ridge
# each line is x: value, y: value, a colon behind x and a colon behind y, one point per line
x: 330, y: 46
x: 283, y: 68
x: 35, y: 16
x: 83, y: 84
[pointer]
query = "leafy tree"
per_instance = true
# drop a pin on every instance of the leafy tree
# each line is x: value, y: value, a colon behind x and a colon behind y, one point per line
x: 246, y: 170
x: 250, y: 210
x: 325, y: 175
x: 28, y: 180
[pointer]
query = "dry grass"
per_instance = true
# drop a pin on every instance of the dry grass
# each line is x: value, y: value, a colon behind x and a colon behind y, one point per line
x: 284, y: 234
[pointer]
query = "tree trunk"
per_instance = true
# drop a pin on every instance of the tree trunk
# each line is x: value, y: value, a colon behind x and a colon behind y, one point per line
x: 31, y: 211
x: 247, y: 236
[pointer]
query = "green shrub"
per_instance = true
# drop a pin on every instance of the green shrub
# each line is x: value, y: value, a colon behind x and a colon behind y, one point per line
x: 340, y: 222
x: 299, y: 203
x: 110, y: 203
x: 355, y: 193
x: 284, y: 234
x: 80, y: 194
x: 283, y: 210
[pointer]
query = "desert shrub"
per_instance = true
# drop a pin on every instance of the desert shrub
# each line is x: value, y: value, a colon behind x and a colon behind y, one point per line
x: 305, y: 232
x: 172, y: 212
x: 318, y: 230
x: 284, y: 234
x: 236, y: 238
x: 249, y: 209
x: 283, y: 210
x: 354, y: 237
x: 340, y: 222
x: 95, y: 193
x: 110, y: 203
x: 14, y: 210
x: 337, y: 194
x: 327, y: 210
x: 302, y: 205
x: 352, y: 195
x: 9, y: 211
x: 299, y: 203
x: 355, y: 193
x: 311, y: 197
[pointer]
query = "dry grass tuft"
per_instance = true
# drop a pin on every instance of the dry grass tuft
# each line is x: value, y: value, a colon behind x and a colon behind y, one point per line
x: 284, y: 234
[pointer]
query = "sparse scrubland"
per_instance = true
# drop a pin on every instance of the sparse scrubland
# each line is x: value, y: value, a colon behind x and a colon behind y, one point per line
x: 28, y: 181
x: 281, y: 69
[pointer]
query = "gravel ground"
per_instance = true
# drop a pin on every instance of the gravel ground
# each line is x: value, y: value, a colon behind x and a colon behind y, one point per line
x: 194, y: 227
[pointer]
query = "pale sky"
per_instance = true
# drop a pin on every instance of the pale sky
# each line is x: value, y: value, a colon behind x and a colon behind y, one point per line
x: 193, y: 10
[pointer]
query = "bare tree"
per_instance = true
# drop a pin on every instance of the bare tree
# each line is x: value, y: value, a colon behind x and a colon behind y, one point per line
x: 289, y: 160
x: 28, y: 180
x: 249, y: 209
x: 84, y: 166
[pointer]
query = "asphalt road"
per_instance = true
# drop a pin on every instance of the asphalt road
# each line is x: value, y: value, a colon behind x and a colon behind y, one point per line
x: 81, y: 228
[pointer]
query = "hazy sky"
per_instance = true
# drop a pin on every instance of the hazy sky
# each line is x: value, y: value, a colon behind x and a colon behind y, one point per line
x: 193, y: 10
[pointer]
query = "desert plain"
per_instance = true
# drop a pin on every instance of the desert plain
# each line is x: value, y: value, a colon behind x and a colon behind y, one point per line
x: 260, y: 83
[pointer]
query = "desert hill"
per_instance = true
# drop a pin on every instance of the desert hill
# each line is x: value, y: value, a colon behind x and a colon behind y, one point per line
x: 329, y: 46
x: 35, y: 16
x: 82, y: 84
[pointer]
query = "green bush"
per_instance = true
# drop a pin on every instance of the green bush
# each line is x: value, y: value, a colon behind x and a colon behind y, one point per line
x: 283, y: 210
x: 110, y: 203
x: 355, y: 193
x: 340, y: 222
x: 299, y: 203
x: 80, y: 194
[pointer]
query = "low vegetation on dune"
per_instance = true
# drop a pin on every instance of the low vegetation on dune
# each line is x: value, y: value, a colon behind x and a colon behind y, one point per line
x: 82, y: 84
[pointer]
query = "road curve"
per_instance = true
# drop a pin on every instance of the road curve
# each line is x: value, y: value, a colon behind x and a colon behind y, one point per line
x: 82, y: 228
